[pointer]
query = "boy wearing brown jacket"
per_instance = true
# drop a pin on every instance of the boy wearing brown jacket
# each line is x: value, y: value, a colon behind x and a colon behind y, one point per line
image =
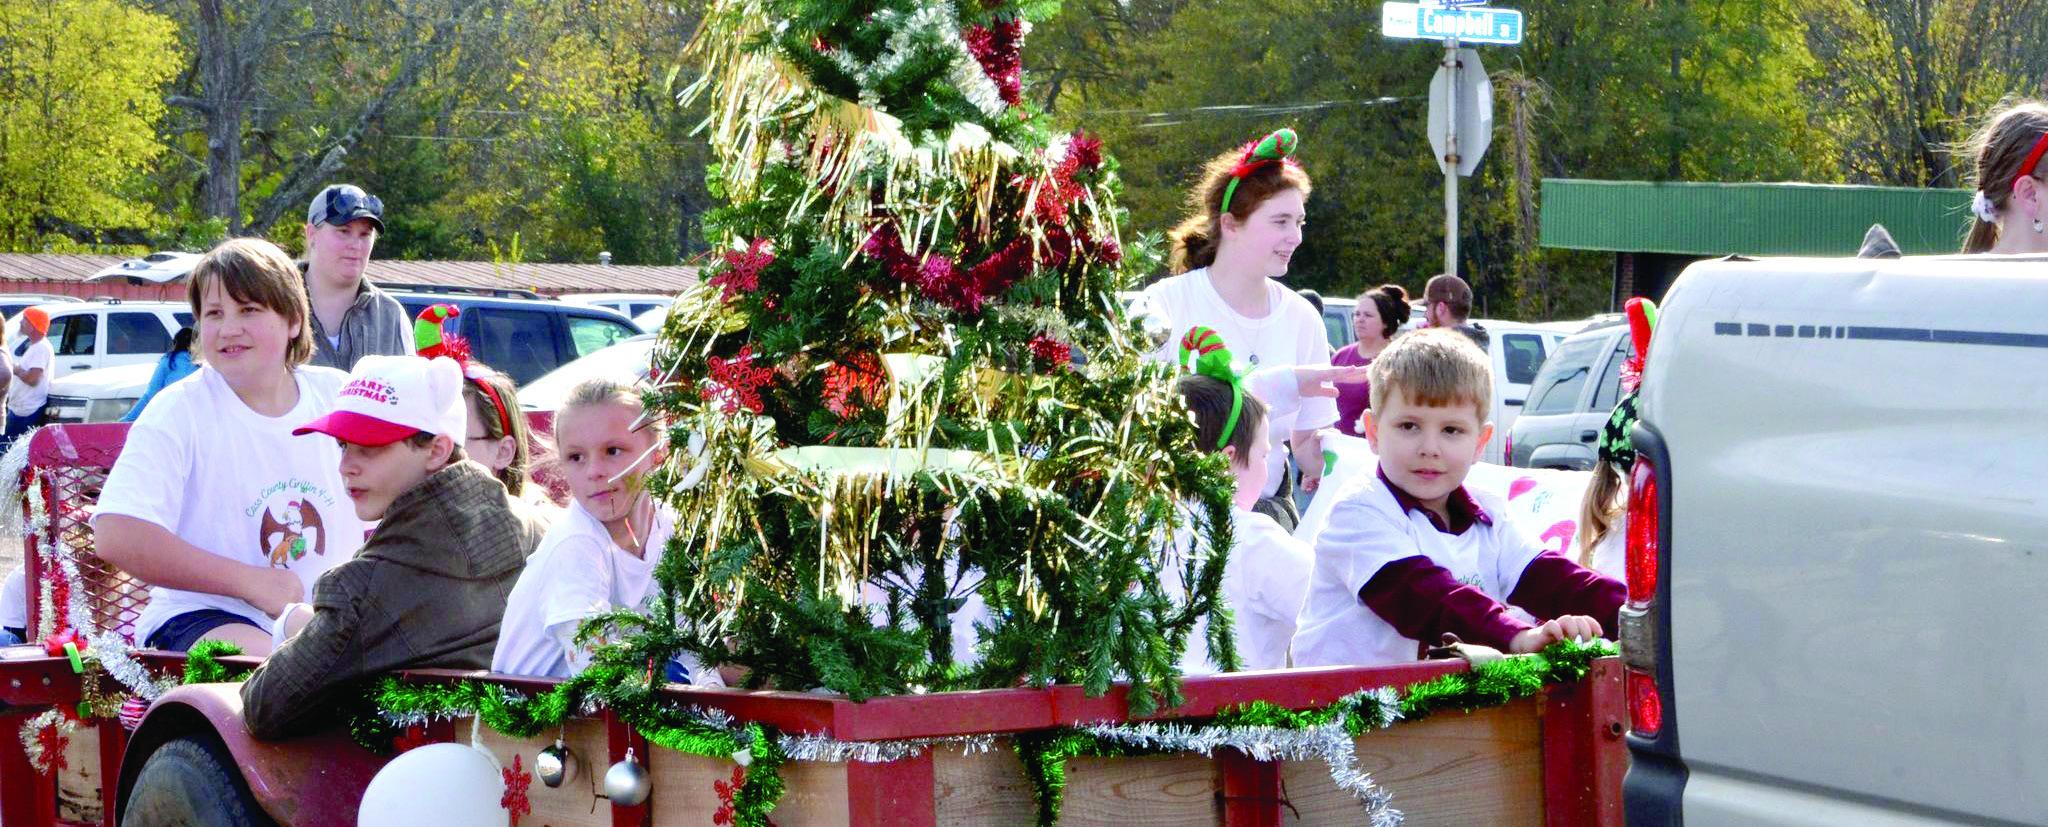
x: 429, y: 586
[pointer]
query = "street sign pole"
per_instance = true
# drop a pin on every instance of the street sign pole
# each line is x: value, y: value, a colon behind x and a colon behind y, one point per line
x: 1450, y: 160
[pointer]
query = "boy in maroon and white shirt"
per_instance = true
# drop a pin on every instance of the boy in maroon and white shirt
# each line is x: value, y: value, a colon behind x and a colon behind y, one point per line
x: 1410, y: 554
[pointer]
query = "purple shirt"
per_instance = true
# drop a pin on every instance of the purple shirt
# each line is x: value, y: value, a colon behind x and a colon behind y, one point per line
x: 1352, y: 400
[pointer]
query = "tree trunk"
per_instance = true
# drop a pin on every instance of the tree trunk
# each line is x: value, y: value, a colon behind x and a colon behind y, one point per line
x: 223, y: 106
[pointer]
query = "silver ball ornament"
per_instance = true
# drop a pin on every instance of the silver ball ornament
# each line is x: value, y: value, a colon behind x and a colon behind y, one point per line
x: 626, y: 783
x: 552, y: 765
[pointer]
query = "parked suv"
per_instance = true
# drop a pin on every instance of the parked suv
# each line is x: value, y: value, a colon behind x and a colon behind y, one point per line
x: 524, y: 337
x: 11, y: 304
x: 98, y: 334
x: 1570, y: 400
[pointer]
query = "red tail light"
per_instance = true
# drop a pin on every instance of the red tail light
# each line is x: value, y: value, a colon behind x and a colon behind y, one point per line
x: 1507, y: 450
x: 1645, y: 708
x: 1642, y: 533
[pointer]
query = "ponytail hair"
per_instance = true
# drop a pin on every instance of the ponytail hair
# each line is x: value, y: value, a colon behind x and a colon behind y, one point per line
x: 1392, y: 303
x: 1602, y: 508
x: 1999, y: 150
x: 1193, y: 243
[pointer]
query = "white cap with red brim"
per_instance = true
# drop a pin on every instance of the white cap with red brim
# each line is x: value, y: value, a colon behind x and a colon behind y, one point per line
x: 389, y: 398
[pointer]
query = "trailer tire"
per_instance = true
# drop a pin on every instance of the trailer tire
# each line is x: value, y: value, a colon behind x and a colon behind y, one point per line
x: 191, y: 782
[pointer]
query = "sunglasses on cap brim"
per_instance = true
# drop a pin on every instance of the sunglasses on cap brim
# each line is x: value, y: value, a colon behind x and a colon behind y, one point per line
x: 343, y: 206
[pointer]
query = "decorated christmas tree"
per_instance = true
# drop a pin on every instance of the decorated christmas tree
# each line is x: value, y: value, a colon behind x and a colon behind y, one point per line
x: 915, y: 443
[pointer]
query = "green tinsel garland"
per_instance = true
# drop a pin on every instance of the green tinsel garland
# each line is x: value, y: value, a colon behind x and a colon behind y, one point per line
x: 202, y: 663
x: 1045, y: 754
x: 616, y: 687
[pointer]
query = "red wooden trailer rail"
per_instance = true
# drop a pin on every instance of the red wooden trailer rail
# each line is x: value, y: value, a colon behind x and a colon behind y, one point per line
x: 1582, y: 756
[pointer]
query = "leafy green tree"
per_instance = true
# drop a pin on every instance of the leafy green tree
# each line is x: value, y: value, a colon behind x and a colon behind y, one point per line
x: 81, y: 92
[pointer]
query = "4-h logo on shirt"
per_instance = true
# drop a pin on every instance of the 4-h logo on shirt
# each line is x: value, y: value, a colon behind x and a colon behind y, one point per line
x: 290, y: 529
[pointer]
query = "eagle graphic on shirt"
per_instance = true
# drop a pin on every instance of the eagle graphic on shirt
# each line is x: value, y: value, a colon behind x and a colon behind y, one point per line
x: 287, y: 537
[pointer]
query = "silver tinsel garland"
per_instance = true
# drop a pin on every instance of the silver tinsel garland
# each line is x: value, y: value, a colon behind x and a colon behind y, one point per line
x: 1330, y: 743
x: 107, y: 648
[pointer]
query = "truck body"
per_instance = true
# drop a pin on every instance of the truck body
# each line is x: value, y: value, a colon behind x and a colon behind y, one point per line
x: 1838, y: 539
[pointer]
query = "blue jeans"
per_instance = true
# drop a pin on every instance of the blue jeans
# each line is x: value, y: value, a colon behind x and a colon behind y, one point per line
x: 18, y: 425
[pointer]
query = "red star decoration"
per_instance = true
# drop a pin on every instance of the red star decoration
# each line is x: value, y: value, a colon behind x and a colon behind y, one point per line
x: 736, y: 383
x: 53, y: 742
x: 517, y: 779
x: 742, y: 271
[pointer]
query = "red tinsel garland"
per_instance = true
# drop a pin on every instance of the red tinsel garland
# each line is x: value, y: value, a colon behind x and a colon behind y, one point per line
x: 1000, y: 51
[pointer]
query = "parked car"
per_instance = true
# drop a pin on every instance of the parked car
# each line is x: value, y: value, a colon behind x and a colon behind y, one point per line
x: 155, y: 268
x: 12, y: 304
x: 525, y: 338
x: 630, y: 305
x: 1516, y: 351
x: 625, y: 362
x: 98, y: 395
x: 1570, y: 400
x: 108, y: 332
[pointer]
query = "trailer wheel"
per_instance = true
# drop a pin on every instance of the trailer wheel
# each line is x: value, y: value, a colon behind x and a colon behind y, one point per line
x: 191, y: 782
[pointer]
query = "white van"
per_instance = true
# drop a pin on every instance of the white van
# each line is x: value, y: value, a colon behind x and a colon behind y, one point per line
x: 1516, y: 351
x: 108, y: 332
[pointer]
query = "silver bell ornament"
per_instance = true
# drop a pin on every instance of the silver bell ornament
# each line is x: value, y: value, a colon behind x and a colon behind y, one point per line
x: 552, y: 764
x: 626, y: 783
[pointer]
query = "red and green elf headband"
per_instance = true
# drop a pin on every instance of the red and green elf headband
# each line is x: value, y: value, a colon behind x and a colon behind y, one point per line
x: 429, y: 341
x: 1203, y: 354
x: 1275, y: 148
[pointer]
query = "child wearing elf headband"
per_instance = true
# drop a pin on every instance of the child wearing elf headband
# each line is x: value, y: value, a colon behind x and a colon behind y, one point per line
x: 1410, y: 554
x: 1267, y: 574
x: 429, y: 586
x: 1245, y: 221
x: 498, y: 436
x: 602, y: 554
x: 1603, y: 515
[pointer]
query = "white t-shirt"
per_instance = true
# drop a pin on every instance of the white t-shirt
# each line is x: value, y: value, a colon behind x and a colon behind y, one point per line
x: 1610, y: 555
x: 1368, y: 529
x: 236, y: 483
x: 24, y: 399
x: 14, y: 599
x: 1263, y: 584
x: 577, y: 572
x: 1291, y: 333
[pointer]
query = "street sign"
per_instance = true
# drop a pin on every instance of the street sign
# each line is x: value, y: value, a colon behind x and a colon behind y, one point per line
x: 1474, y: 127
x: 1470, y: 24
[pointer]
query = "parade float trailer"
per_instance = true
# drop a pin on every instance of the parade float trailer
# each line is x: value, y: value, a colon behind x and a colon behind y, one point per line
x: 1533, y: 749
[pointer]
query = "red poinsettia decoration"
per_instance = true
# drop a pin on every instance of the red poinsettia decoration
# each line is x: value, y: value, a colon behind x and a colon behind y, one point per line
x: 1051, y: 352
x: 742, y: 273
x: 736, y: 383
x: 517, y: 779
x: 853, y: 383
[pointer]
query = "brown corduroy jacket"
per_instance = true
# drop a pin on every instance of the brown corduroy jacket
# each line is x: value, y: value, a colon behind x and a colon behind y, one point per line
x: 427, y: 591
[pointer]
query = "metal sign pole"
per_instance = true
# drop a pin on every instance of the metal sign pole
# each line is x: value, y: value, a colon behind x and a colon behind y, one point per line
x: 1451, y: 159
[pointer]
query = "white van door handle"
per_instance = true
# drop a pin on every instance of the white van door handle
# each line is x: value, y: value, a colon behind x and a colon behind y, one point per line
x: 81, y: 367
x: 1588, y: 436
x: 1515, y: 402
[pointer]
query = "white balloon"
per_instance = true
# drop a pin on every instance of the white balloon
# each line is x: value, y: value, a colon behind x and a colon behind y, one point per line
x: 448, y: 785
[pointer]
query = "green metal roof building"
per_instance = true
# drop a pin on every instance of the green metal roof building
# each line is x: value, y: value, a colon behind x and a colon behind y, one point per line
x: 1657, y: 228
